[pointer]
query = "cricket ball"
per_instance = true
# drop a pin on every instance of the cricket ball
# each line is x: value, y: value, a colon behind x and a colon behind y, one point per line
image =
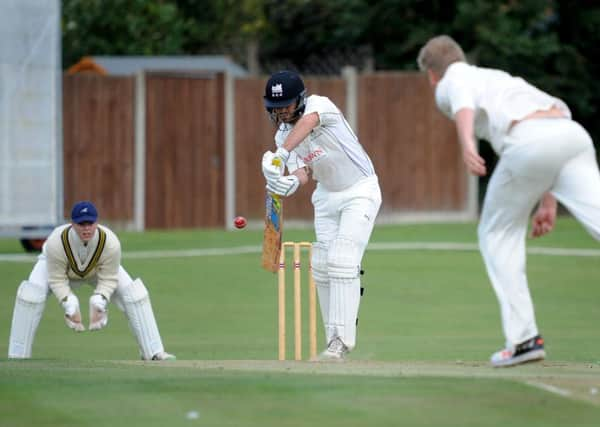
x: 239, y: 222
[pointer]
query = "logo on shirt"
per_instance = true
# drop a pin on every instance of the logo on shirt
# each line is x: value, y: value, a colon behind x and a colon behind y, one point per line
x: 277, y: 90
x: 314, y: 156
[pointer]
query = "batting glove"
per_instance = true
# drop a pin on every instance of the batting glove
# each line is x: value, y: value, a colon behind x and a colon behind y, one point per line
x: 282, y: 154
x: 284, y: 186
x: 72, y: 315
x: 271, y: 172
x: 98, y: 312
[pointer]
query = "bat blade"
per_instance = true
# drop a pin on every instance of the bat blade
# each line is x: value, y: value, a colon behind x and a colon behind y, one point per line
x: 273, y: 233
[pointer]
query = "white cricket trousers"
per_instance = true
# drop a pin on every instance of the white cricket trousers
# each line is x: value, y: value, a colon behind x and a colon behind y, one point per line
x: 350, y: 213
x: 344, y: 221
x: 540, y: 155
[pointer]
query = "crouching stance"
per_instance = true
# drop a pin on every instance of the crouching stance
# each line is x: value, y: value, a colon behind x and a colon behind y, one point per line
x: 77, y: 253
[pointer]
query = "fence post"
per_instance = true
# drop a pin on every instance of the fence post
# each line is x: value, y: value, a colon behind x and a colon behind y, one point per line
x: 139, y: 158
x: 351, y: 76
x: 229, y: 112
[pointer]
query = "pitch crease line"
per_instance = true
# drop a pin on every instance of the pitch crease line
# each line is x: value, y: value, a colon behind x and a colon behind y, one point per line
x: 376, y: 246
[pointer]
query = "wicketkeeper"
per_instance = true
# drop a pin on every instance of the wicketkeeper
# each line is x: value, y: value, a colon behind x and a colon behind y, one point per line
x: 544, y: 156
x: 314, y: 139
x: 76, y: 253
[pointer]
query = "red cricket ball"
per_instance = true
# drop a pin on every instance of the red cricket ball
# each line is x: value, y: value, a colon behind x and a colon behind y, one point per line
x: 240, y: 222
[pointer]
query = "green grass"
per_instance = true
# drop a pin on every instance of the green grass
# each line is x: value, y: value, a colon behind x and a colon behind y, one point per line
x: 435, y: 307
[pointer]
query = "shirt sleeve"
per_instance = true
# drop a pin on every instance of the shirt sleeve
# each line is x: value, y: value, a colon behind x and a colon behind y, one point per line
x: 325, y: 108
x: 108, y: 269
x: 57, y: 266
x: 453, y: 93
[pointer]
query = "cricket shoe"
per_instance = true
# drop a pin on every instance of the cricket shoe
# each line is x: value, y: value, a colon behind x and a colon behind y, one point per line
x: 528, y: 351
x: 163, y: 355
x: 336, y: 351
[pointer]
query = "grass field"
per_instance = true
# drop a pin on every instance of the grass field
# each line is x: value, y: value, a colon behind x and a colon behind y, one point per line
x: 429, y: 321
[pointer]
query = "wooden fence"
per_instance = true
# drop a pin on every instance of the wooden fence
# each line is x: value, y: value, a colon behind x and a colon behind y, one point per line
x: 185, y: 119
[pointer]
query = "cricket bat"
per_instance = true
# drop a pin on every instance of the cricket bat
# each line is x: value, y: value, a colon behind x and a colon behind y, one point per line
x: 273, y: 233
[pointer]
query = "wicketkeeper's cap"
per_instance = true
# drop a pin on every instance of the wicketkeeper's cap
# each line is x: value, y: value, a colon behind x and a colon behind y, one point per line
x: 84, y: 212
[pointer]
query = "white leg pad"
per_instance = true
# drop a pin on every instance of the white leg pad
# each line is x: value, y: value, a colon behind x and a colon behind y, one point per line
x: 138, y: 309
x: 319, y: 270
x: 29, y: 307
x: 344, y: 298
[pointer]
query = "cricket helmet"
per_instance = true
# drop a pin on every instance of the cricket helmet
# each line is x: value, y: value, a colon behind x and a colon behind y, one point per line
x: 283, y: 89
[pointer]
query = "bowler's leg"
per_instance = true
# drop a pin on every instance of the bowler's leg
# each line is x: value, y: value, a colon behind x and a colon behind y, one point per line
x: 502, y: 230
x: 578, y: 188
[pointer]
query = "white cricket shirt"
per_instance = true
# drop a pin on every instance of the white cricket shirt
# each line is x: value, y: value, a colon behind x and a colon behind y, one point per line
x: 331, y: 151
x: 496, y: 97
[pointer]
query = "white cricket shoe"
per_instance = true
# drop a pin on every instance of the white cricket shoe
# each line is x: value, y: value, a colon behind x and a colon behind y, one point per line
x: 336, y: 351
x: 163, y: 355
x: 528, y: 351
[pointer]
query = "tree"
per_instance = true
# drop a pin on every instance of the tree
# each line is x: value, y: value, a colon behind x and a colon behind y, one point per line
x: 120, y: 27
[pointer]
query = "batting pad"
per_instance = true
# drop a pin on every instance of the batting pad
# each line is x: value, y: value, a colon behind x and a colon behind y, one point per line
x: 29, y: 307
x: 137, y: 307
x: 319, y: 270
x: 344, y: 297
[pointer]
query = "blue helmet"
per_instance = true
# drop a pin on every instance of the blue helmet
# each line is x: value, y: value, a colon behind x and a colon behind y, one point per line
x: 283, y: 89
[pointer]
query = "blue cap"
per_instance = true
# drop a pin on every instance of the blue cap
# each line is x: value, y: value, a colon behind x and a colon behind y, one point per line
x: 84, y: 212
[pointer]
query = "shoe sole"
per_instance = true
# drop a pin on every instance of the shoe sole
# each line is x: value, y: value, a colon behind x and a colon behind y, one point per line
x: 531, y: 356
x: 329, y: 358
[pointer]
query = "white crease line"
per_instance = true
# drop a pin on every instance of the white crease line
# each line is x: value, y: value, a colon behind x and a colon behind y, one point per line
x: 550, y: 388
x: 381, y: 246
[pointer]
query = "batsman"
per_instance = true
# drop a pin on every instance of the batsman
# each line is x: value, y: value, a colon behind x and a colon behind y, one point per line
x: 77, y: 253
x: 314, y: 140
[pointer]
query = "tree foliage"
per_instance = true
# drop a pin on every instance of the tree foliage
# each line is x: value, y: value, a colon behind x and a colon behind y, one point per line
x: 553, y: 43
x: 121, y: 27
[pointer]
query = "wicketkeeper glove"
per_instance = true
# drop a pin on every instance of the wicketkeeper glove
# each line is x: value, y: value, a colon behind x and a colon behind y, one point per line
x: 72, y: 315
x: 284, y: 186
x: 98, y: 312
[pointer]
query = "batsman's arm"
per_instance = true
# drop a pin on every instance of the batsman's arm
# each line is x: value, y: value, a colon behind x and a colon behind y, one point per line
x: 300, y: 131
x: 302, y: 174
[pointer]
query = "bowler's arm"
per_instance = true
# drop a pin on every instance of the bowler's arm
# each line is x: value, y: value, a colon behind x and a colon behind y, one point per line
x: 464, y: 119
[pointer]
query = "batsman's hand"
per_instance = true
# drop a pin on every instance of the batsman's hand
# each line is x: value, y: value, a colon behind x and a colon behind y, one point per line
x: 284, y: 186
x: 283, y: 155
x: 270, y: 169
x: 72, y: 314
x: 98, y: 312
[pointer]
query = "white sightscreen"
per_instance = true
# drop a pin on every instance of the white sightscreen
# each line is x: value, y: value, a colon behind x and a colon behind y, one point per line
x: 30, y: 99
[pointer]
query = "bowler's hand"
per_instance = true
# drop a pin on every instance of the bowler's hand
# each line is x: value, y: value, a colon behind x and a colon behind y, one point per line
x: 98, y: 312
x: 72, y: 314
x: 543, y: 221
x: 474, y: 162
